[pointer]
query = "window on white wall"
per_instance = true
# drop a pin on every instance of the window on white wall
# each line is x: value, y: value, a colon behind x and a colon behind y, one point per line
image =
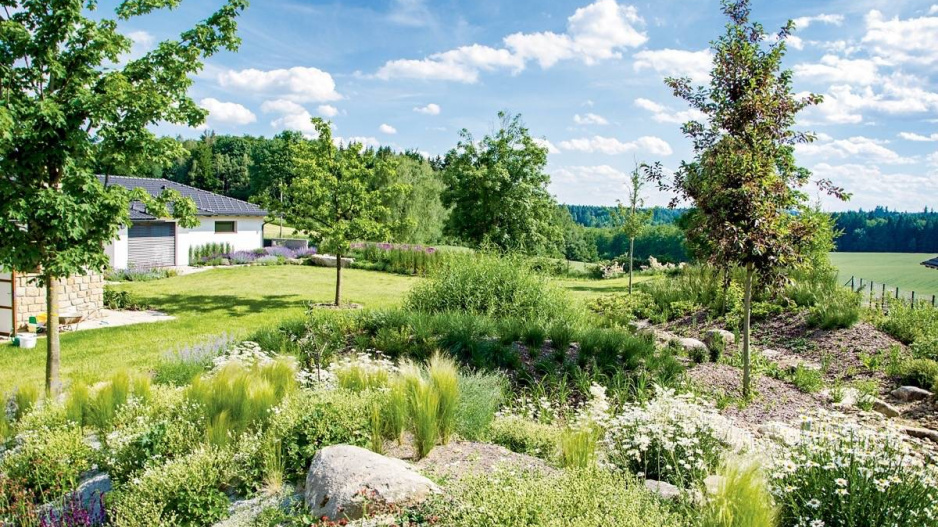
x: 222, y: 227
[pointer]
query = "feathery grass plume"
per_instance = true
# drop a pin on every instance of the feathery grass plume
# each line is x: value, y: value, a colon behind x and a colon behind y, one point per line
x: 394, y: 412
x: 578, y: 447
x: 107, y: 400
x: 24, y: 399
x: 425, y: 415
x: 361, y: 373
x: 6, y: 429
x: 480, y: 397
x: 377, y: 429
x: 444, y: 378
x: 77, y: 403
x: 274, y: 467
x: 743, y: 498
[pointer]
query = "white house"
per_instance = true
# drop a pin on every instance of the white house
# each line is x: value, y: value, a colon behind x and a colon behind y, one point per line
x: 153, y: 242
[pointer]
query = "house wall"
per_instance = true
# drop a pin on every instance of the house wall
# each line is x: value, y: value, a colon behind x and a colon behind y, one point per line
x: 249, y: 235
x: 84, y: 294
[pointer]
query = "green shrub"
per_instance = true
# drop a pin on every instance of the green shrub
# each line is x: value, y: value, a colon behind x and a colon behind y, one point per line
x: 534, y: 335
x: 914, y: 325
x: 123, y: 300
x: 561, y: 335
x: 743, y: 498
x: 920, y: 372
x: 487, y: 284
x: 189, y: 491
x: 480, y: 396
x: 510, y: 331
x: 526, y: 437
x: 574, y: 498
x: 810, y: 286
x: 844, y: 473
x: 840, y: 308
x: 620, y: 309
x: 48, y: 462
x: 361, y: 372
x: 808, y: 380
x: 180, y: 367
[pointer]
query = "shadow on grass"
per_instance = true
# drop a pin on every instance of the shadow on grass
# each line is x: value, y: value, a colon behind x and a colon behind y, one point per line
x: 223, y: 305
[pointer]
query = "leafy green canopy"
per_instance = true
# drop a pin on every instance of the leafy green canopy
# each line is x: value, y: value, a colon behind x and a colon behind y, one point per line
x: 497, y: 189
x: 73, y: 101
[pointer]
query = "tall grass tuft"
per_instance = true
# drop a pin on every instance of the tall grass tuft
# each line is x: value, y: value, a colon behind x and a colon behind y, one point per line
x: 24, y: 399
x: 99, y: 410
x: 839, y: 308
x: 425, y: 414
x: 743, y: 498
x: 78, y: 400
x: 480, y: 397
x: 444, y: 377
x: 274, y: 467
x: 578, y: 447
x: 377, y: 428
x: 394, y: 412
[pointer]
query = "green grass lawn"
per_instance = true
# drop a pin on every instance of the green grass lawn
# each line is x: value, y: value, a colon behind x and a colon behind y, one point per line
x: 236, y: 301
x: 584, y: 289
x: 894, y: 269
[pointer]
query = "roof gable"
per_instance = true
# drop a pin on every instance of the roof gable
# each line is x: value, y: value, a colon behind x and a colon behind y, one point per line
x: 207, y: 203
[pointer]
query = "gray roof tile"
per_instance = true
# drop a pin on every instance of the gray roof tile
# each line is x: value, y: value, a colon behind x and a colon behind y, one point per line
x: 207, y: 203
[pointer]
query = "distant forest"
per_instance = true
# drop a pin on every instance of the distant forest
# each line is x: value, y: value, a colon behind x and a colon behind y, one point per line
x: 878, y: 230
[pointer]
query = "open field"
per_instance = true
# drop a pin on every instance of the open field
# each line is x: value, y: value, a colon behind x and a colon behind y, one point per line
x: 903, y: 270
x: 272, y: 230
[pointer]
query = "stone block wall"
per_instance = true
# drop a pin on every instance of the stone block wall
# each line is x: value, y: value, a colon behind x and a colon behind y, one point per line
x: 84, y: 294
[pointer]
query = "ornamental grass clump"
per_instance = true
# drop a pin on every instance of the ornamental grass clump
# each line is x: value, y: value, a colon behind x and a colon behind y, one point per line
x: 673, y: 438
x: 362, y: 372
x: 842, y: 473
x: 742, y: 499
x: 424, y: 407
x: 579, y: 440
x: 444, y: 377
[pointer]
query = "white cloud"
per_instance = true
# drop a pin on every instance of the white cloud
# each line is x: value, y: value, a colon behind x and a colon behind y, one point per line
x: 663, y: 114
x: 933, y: 10
x: 596, y: 32
x: 805, y: 21
x: 297, y: 83
x: 430, y: 109
x: 911, y: 136
x: 544, y: 143
x: 898, y: 94
x: 292, y: 116
x: 872, y: 187
x: 387, y: 129
x: 327, y: 110
x: 413, y: 13
x: 872, y: 150
x: 896, y: 41
x: 596, y: 185
x: 590, y: 118
x: 227, y: 112
x: 676, y: 63
x: 364, y: 141
x: 839, y: 70
x: 142, y: 43
x: 612, y: 146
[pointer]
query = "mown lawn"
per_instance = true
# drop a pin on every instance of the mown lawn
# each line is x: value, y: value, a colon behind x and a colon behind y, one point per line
x: 903, y: 270
x: 235, y: 301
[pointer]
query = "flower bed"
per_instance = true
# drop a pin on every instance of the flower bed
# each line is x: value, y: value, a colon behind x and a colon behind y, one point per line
x: 395, y: 258
x: 222, y: 254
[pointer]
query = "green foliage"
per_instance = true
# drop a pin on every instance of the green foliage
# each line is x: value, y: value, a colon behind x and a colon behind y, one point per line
x: 400, y: 259
x: 920, y: 372
x: 578, y: 447
x: 480, y: 397
x: 915, y: 325
x: 417, y: 215
x: 743, y: 498
x: 49, y: 462
x: 573, y: 498
x: 209, y: 253
x: 533, y: 335
x: 23, y: 400
x: 122, y: 300
x: 561, y: 335
x: 497, y: 190
x: 491, y: 285
x: 98, y: 408
x: 838, y: 309
x: 424, y: 409
x: 444, y: 378
x: 236, y: 399
x: 189, y: 491
x: 525, y: 436
x: 620, y: 309
x: 808, y: 380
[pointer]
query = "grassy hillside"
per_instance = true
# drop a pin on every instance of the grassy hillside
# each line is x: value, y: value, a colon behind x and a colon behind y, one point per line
x: 894, y: 269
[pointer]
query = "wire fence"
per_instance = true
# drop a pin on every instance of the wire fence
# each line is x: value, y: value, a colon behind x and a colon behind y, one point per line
x: 878, y: 294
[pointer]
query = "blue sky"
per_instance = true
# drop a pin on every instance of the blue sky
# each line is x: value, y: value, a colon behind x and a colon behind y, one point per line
x: 586, y: 76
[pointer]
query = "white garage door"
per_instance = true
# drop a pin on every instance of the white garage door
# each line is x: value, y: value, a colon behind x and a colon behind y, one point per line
x: 152, y: 245
x: 6, y: 304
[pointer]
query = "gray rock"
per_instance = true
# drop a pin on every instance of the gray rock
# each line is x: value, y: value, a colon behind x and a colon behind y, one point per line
x: 342, y: 477
x: 716, y: 337
x: 849, y: 397
x: 89, y: 491
x: 663, y: 489
x: 771, y: 355
x: 638, y: 325
x: 921, y: 433
x: 885, y: 408
x: 911, y: 393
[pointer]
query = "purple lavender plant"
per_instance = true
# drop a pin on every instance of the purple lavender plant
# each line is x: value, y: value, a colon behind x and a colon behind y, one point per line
x: 303, y: 253
x: 242, y: 257
x: 76, y: 513
x: 280, y: 250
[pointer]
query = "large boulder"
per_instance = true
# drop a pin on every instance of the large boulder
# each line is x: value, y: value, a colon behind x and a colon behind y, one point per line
x: 911, y: 393
x: 342, y: 478
x: 695, y: 349
x: 885, y: 408
x: 663, y: 489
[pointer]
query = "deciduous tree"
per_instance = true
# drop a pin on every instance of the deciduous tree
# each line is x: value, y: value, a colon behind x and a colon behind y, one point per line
x: 72, y: 100
x: 632, y: 220
x: 744, y: 179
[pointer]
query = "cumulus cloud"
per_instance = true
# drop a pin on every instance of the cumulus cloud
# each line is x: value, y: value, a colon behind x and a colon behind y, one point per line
x: 296, y: 84
x: 664, y: 114
x: 292, y: 116
x: 854, y: 147
x: 897, y: 94
x: 327, y: 110
x: 430, y: 109
x: 364, y: 141
x: 911, y: 136
x: 387, y: 129
x: 544, y: 143
x: 596, y: 32
x: 227, y: 112
x: 612, y: 146
x: 596, y: 185
x: 897, y: 41
x: 805, y: 21
x: 872, y: 187
x: 590, y: 118
x: 676, y: 63
x: 835, y: 69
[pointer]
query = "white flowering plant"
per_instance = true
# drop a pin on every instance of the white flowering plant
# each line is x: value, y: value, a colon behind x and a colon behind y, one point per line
x: 843, y: 473
x: 673, y: 438
x: 362, y: 371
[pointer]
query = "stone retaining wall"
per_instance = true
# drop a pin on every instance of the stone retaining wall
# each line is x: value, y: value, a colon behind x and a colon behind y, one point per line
x: 84, y: 294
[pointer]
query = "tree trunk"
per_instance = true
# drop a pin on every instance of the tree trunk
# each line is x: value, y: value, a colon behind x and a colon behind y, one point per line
x: 631, y: 258
x: 747, y: 310
x: 338, y: 278
x: 52, y: 336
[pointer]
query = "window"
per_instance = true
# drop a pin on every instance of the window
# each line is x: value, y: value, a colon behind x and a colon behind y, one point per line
x: 226, y: 227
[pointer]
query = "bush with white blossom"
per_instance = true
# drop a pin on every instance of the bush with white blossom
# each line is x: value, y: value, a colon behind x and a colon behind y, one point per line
x: 842, y: 473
